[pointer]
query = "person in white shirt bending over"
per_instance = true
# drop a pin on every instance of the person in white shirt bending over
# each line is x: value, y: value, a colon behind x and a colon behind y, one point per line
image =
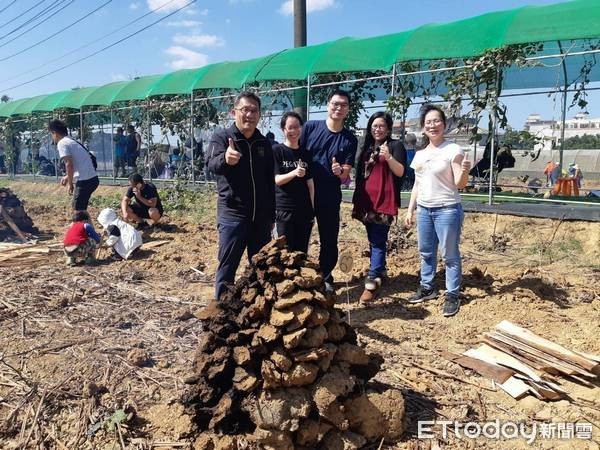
x: 81, y: 179
x: 440, y: 171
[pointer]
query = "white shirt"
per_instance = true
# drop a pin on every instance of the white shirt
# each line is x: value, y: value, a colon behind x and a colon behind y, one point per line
x: 82, y: 161
x: 433, y: 171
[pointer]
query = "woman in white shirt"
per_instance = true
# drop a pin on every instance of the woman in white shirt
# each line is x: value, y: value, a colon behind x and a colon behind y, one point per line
x: 440, y: 171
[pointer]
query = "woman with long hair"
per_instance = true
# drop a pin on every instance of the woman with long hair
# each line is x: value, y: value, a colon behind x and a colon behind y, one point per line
x: 379, y: 171
x: 440, y: 171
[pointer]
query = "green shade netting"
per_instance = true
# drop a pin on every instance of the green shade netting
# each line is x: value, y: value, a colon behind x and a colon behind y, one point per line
x: 294, y: 64
x: 137, y: 89
x: 75, y: 98
x: 570, y: 22
x: 104, y: 95
x: 25, y: 107
x: 10, y: 107
x: 49, y: 102
x: 179, y: 82
x: 232, y: 75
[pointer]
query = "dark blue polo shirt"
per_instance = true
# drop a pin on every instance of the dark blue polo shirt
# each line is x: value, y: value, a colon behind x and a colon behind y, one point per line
x: 323, y: 145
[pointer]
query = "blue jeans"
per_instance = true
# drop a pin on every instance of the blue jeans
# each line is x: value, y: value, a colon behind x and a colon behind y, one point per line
x: 440, y: 227
x: 234, y: 237
x: 377, y: 234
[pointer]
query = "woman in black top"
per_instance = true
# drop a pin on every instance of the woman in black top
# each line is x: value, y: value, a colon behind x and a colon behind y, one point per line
x: 295, y: 192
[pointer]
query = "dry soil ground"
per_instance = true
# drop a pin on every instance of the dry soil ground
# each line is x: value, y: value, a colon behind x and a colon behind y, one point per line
x: 96, y: 356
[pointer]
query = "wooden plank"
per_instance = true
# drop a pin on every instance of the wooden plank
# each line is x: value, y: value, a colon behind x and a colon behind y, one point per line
x: 536, y: 363
x: 495, y: 356
x: 506, y: 343
x: 514, y: 387
x: 547, y: 346
x: 589, y: 356
x: 517, y: 389
x: 12, y: 224
x: 492, y: 371
x: 153, y: 244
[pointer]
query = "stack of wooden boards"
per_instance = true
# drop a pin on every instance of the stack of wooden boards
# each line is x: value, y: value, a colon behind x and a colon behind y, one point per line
x: 25, y: 254
x: 521, y: 362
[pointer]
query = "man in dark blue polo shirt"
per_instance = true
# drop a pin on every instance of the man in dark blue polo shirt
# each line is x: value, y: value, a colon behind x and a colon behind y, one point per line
x: 333, y: 149
x: 242, y: 159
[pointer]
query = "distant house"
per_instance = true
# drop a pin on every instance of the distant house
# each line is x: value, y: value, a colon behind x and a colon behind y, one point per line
x: 550, y: 130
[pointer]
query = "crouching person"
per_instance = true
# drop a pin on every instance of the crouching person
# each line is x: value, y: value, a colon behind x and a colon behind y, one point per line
x: 81, y: 239
x: 141, y: 202
x: 121, y: 236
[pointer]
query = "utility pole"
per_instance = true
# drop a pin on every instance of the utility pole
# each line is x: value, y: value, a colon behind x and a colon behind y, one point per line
x: 300, y: 41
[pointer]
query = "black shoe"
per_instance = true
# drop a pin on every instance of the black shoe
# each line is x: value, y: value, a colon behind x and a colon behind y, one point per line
x: 451, y: 305
x: 423, y: 294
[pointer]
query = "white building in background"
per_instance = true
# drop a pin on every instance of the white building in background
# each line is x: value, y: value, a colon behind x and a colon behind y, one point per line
x: 550, y: 130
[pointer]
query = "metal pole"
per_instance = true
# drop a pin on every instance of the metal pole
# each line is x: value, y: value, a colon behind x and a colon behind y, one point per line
x: 493, y: 142
x: 81, y: 124
x: 31, y: 146
x: 148, y: 153
x: 113, y: 149
x: 564, y: 111
x: 308, y: 97
x: 192, y: 136
x: 393, y: 92
x: 300, y: 41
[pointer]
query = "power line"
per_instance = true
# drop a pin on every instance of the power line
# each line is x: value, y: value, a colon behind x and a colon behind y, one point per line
x: 88, y: 44
x: 8, y: 6
x: 36, y: 16
x: 76, y: 22
x: 104, y: 48
x: 21, y: 14
x: 41, y: 22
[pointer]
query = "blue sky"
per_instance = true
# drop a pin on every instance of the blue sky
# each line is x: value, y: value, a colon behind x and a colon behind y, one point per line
x: 205, y: 32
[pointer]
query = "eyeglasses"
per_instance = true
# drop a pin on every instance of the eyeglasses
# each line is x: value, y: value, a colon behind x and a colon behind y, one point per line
x: 247, y: 110
x: 338, y: 105
x: 378, y: 127
x: 434, y: 122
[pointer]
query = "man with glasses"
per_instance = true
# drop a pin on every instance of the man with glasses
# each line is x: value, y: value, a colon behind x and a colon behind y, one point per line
x: 333, y: 149
x: 242, y: 159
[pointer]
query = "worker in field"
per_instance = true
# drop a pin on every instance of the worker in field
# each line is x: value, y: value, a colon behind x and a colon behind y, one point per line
x: 81, y: 239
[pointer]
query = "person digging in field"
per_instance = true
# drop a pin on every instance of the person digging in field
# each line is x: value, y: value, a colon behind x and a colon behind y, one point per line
x: 242, y: 159
x: 81, y: 239
x: 141, y: 203
x: 121, y: 236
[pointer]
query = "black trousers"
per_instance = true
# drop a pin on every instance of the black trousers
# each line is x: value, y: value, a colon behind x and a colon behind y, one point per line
x: 296, y: 227
x: 235, y: 236
x: 328, y: 222
x: 82, y: 192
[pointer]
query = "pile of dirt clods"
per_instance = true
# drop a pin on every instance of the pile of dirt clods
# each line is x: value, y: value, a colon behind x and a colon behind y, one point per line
x: 279, y: 368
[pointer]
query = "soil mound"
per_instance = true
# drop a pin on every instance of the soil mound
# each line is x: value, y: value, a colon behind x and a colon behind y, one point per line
x: 279, y: 368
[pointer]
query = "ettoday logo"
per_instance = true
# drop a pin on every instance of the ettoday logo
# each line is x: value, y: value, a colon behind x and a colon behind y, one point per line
x: 507, y: 430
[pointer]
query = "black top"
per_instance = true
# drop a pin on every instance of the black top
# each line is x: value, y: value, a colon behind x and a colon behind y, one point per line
x: 246, y: 190
x: 148, y: 192
x: 294, y: 195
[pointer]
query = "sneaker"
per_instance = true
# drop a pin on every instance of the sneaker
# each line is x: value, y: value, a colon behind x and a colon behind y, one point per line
x: 451, y: 305
x: 89, y: 260
x: 372, y: 284
x: 423, y: 294
x: 71, y: 261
